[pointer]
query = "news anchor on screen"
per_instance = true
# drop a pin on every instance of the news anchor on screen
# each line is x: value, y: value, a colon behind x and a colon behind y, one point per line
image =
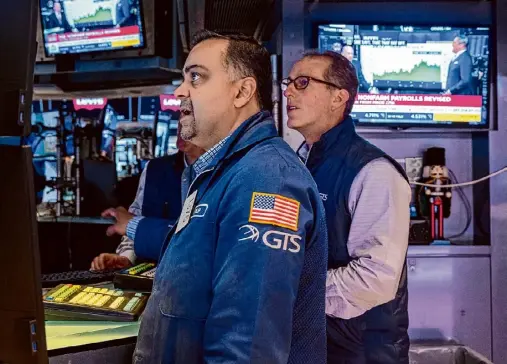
x: 57, y: 19
x: 459, y: 75
x: 348, y: 52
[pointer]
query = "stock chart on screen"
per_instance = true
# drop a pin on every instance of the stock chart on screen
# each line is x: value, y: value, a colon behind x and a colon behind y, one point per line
x: 411, y: 75
x: 80, y: 26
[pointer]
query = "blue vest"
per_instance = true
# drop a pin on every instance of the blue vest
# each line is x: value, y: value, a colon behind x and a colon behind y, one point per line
x: 162, y: 191
x: 380, y: 335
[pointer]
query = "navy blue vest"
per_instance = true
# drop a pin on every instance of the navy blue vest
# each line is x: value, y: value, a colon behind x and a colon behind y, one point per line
x: 380, y: 335
x: 162, y: 191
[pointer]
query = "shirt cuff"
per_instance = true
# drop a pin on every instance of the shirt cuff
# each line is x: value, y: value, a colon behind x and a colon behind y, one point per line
x: 132, y: 226
x: 129, y: 254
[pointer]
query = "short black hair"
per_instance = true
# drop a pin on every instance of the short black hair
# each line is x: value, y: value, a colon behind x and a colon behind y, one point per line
x: 340, y: 72
x: 248, y: 58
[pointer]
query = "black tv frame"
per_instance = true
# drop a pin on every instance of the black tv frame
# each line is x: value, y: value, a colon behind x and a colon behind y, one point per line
x: 404, y: 126
x: 75, y: 55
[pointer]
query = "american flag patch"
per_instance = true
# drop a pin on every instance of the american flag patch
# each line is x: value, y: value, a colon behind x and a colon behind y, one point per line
x: 274, y: 210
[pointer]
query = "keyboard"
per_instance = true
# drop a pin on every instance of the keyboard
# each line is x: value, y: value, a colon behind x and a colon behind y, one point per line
x: 77, y: 277
x: 137, y: 278
x: 77, y: 302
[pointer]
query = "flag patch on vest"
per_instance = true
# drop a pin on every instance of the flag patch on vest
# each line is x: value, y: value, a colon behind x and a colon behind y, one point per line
x: 275, y: 210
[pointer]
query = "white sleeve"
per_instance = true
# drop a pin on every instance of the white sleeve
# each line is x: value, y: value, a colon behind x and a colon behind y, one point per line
x: 379, y: 204
x: 136, y: 206
x: 126, y: 247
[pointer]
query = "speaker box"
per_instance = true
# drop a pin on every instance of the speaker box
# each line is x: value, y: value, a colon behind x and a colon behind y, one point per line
x: 18, y: 21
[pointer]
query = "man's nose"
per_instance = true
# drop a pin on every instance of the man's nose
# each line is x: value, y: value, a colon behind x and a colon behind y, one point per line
x: 182, y: 91
x: 288, y: 91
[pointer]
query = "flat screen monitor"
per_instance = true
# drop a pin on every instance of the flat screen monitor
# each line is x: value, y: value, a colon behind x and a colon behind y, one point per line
x: 83, y: 26
x: 122, y: 108
x: 416, y: 75
x: 166, y: 133
x: 148, y: 107
x: 37, y: 106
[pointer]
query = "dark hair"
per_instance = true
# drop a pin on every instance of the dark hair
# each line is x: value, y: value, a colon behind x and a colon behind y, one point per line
x: 248, y: 58
x: 340, y: 72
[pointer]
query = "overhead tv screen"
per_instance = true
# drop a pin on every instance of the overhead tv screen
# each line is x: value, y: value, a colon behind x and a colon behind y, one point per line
x: 82, y: 26
x: 416, y: 76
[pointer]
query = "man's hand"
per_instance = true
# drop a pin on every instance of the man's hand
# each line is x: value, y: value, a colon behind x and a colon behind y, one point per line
x: 110, y: 261
x: 122, y: 217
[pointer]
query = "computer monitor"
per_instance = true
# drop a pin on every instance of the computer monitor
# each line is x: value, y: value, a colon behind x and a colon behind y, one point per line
x: 148, y: 107
x: 22, y: 332
x: 122, y: 108
x: 82, y: 26
x: 166, y: 131
x: 166, y: 126
x: 37, y: 106
x: 416, y: 75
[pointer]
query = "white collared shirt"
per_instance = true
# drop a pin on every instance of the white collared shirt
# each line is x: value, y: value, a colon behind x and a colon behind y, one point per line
x: 456, y: 55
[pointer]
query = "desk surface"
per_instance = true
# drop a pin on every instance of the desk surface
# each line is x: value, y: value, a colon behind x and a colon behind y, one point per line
x: 448, y: 251
x: 64, y: 334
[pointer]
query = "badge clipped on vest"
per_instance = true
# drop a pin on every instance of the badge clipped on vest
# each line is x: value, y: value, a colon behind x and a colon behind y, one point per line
x: 186, y: 212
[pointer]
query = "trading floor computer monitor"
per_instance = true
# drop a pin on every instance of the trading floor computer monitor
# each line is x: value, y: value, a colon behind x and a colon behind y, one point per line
x: 22, y: 334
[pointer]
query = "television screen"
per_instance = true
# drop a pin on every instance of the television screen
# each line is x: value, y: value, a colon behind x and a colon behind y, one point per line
x: 414, y: 75
x: 121, y: 108
x: 37, y: 106
x: 166, y: 133
x: 82, y: 26
x: 148, y: 107
x: 167, y: 125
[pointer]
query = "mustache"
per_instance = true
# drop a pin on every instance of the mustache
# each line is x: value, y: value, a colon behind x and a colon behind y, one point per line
x: 186, y: 107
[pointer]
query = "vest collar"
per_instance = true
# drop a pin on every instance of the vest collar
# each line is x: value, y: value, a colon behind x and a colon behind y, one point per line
x: 335, y: 139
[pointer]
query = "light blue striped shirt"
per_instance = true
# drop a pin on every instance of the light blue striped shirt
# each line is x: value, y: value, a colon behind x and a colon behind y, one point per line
x: 126, y: 247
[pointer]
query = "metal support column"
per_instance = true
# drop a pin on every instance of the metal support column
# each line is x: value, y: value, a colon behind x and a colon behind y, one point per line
x: 293, y: 20
x: 498, y: 194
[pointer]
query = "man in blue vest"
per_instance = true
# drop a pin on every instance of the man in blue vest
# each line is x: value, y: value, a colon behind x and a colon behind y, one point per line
x: 155, y: 209
x: 366, y: 196
x: 242, y: 276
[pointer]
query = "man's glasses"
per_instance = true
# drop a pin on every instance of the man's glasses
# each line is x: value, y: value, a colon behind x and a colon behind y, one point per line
x: 302, y: 82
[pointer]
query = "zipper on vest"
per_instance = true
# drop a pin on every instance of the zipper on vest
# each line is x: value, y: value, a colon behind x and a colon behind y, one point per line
x: 308, y: 156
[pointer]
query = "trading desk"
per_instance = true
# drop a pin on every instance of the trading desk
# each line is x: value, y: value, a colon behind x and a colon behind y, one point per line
x: 91, y: 341
x: 86, y: 341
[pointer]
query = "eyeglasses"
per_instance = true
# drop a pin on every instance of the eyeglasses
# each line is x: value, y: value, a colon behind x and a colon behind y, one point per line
x: 302, y: 82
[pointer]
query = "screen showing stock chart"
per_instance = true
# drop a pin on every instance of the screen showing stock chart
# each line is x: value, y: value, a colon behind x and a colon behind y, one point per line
x: 81, y: 26
x: 411, y: 75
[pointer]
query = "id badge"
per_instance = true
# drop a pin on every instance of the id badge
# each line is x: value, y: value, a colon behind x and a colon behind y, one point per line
x: 186, y: 212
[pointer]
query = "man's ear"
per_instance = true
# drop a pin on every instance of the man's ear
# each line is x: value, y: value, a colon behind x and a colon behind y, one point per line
x: 247, y: 87
x: 340, y: 98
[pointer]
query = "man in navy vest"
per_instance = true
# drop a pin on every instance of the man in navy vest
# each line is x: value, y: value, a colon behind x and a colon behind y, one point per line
x: 366, y: 196
x: 155, y: 209
x: 242, y: 276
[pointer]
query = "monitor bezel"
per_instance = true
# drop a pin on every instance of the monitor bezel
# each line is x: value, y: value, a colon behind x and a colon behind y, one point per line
x: 404, y: 126
x: 98, y: 51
